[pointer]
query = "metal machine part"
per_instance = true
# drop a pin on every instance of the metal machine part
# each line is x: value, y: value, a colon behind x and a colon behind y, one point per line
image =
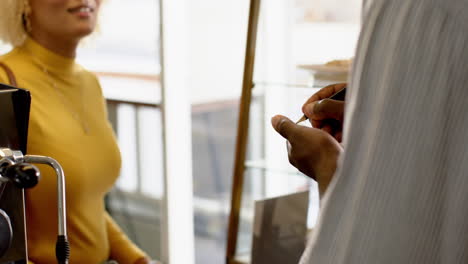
x: 23, y: 175
x: 15, y: 167
x: 6, y: 232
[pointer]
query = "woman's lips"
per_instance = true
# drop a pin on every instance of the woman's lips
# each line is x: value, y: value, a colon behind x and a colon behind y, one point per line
x: 82, y: 11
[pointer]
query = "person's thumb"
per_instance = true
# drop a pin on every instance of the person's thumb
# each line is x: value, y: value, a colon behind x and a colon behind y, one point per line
x: 325, y: 109
x: 283, y: 125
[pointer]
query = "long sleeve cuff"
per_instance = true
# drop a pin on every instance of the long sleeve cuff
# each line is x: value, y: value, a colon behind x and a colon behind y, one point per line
x: 123, y: 250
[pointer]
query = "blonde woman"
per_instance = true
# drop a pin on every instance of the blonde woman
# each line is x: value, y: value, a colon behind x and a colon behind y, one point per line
x: 68, y: 122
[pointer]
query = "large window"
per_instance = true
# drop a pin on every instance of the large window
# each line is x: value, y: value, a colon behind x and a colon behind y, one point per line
x: 295, y: 41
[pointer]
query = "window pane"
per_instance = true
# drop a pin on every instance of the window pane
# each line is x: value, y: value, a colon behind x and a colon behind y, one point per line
x: 217, y: 44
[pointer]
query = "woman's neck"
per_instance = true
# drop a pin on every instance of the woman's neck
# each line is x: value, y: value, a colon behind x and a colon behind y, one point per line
x: 60, y: 46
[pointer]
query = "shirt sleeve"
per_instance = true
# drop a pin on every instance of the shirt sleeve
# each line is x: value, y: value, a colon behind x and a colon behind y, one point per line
x: 122, y: 249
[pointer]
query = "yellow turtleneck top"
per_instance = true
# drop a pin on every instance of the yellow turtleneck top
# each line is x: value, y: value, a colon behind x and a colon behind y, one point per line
x: 68, y: 121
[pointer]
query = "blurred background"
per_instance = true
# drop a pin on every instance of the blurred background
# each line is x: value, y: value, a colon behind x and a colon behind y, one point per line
x: 296, y: 40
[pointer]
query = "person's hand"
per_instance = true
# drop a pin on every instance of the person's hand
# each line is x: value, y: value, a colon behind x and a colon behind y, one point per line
x: 324, y: 113
x: 145, y: 260
x: 312, y: 151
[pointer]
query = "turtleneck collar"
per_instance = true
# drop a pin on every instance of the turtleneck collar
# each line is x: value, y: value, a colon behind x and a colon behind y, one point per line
x: 47, y: 58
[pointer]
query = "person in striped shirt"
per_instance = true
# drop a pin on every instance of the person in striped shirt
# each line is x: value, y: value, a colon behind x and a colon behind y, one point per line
x: 395, y: 191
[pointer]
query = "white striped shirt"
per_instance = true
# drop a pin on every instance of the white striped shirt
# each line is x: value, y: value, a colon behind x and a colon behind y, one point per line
x: 400, y: 194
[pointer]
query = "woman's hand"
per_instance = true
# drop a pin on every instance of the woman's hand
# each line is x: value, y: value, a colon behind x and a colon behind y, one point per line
x: 320, y: 110
x: 310, y: 150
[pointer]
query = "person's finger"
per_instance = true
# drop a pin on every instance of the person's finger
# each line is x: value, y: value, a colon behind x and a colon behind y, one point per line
x: 290, y: 153
x: 325, y: 92
x: 325, y: 109
x: 284, y: 126
x: 327, y: 128
x: 339, y: 136
x: 315, y: 123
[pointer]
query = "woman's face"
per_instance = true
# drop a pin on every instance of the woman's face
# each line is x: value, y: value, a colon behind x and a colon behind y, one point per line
x: 69, y: 19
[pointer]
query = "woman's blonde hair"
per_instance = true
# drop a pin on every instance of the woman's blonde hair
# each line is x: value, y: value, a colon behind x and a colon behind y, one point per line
x: 12, y: 30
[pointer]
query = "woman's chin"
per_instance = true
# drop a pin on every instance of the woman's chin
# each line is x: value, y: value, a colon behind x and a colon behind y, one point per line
x: 83, y: 28
x: 84, y: 32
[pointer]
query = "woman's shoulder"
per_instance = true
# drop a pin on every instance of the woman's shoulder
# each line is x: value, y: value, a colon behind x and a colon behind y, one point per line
x: 12, y: 56
x: 89, y: 75
x: 14, y: 59
x: 88, y: 79
x: 9, y: 60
